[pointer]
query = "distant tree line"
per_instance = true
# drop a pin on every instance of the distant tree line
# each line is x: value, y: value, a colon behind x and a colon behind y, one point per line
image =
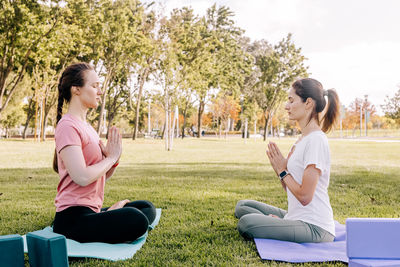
x: 149, y: 62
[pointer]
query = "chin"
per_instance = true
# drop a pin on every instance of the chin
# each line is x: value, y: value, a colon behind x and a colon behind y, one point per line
x: 94, y: 105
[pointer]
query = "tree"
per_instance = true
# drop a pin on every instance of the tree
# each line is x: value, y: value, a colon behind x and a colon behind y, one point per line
x: 352, y: 118
x: 14, y: 114
x: 167, y: 76
x: 279, y: 66
x: 119, y: 40
x: 145, y: 64
x: 249, y: 107
x: 224, y: 108
x: 184, y: 29
x: 117, y: 97
x: 226, y: 64
x: 23, y: 26
x: 392, y: 106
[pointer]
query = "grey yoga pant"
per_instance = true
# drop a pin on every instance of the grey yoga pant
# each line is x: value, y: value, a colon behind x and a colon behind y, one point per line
x: 254, y: 222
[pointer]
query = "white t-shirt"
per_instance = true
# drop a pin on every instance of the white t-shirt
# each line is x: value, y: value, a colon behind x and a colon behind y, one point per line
x: 312, y: 149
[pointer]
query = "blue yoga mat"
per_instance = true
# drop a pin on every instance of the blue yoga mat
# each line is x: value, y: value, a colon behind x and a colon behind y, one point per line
x: 112, y: 252
x: 277, y: 250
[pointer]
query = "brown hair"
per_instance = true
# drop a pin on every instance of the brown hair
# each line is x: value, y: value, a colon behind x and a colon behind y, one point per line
x: 311, y: 88
x: 72, y: 76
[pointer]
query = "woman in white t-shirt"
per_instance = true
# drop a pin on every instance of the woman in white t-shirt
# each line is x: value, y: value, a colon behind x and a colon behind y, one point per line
x: 304, y: 174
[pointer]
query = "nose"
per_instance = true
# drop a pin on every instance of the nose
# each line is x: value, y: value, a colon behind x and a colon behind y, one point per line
x: 99, y: 92
x: 287, y: 106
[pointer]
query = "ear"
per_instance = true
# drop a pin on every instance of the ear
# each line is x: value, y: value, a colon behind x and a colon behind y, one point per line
x: 310, y: 103
x: 75, y: 90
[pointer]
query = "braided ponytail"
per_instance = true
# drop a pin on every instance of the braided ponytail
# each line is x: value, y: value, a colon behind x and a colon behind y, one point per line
x: 60, y: 100
x: 59, y: 115
x: 72, y: 76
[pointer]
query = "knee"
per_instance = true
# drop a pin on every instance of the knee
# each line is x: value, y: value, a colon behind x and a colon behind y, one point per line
x: 239, y: 209
x: 149, y: 210
x: 147, y: 204
x: 137, y: 220
x: 244, y: 226
x: 146, y: 207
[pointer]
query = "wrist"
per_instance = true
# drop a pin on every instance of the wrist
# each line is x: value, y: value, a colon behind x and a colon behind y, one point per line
x: 113, y: 160
x: 282, y: 175
x: 115, y: 164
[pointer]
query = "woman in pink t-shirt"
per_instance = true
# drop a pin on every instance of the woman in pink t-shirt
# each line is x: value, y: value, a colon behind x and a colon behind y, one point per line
x: 84, y: 163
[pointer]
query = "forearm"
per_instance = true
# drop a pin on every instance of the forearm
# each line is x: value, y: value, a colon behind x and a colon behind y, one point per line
x: 297, y: 190
x: 110, y: 172
x: 87, y: 175
x: 283, y: 185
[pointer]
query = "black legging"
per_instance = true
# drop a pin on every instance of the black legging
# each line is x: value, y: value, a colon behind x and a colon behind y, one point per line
x: 116, y: 226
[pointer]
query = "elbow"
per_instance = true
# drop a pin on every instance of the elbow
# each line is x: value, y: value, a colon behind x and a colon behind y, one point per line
x: 305, y: 200
x: 80, y: 181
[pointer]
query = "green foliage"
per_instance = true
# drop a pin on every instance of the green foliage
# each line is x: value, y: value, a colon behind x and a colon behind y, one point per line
x: 24, y: 25
x: 12, y: 117
x: 279, y: 66
x: 193, y: 58
x: 276, y: 69
x: 392, y: 106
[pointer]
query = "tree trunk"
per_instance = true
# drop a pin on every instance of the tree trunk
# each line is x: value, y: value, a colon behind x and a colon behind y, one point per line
x: 245, y: 130
x: 169, y: 130
x: 166, y: 128
x: 110, y: 121
x: 199, y: 115
x: 46, y: 116
x: 184, y: 123
x: 29, y: 116
x: 220, y: 128
x: 141, y: 84
x: 255, y: 129
x: 265, y: 126
x: 163, y: 132
x: 173, y: 126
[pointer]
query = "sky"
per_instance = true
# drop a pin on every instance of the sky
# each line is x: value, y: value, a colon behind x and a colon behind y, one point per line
x: 350, y: 45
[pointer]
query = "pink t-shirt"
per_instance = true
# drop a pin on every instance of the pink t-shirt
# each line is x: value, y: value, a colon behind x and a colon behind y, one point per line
x: 71, y: 131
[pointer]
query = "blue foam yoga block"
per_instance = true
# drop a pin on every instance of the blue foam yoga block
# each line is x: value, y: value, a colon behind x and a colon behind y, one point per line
x: 47, y: 249
x: 373, y: 238
x: 11, y: 251
x: 373, y: 263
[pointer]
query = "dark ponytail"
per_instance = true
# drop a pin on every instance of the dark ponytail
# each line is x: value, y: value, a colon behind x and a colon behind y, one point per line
x: 311, y: 88
x: 72, y: 76
x: 332, y: 113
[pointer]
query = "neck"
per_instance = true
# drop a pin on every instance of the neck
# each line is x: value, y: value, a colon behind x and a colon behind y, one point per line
x: 308, y: 126
x: 76, y: 109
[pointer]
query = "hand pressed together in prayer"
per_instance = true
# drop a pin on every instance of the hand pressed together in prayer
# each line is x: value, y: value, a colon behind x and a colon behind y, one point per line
x: 277, y: 160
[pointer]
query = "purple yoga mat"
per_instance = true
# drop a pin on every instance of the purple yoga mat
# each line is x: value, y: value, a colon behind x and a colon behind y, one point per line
x: 270, y: 249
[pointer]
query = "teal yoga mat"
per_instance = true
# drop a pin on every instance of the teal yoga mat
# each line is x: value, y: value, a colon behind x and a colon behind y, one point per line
x: 105, y: 251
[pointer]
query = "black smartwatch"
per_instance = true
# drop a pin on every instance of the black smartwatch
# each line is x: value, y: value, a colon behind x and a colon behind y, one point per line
x: 283, y: 174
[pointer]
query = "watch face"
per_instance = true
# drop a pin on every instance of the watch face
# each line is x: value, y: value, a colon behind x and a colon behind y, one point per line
x: 282, y: 174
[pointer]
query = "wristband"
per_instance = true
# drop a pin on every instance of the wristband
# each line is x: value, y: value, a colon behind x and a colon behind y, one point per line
x: 115, y: 165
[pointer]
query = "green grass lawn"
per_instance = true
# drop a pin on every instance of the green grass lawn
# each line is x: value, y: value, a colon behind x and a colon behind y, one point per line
x: 197, y: 186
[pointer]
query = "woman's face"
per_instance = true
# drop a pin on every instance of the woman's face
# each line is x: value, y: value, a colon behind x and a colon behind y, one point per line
x: 90, y: 92
x: 295, y: 107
